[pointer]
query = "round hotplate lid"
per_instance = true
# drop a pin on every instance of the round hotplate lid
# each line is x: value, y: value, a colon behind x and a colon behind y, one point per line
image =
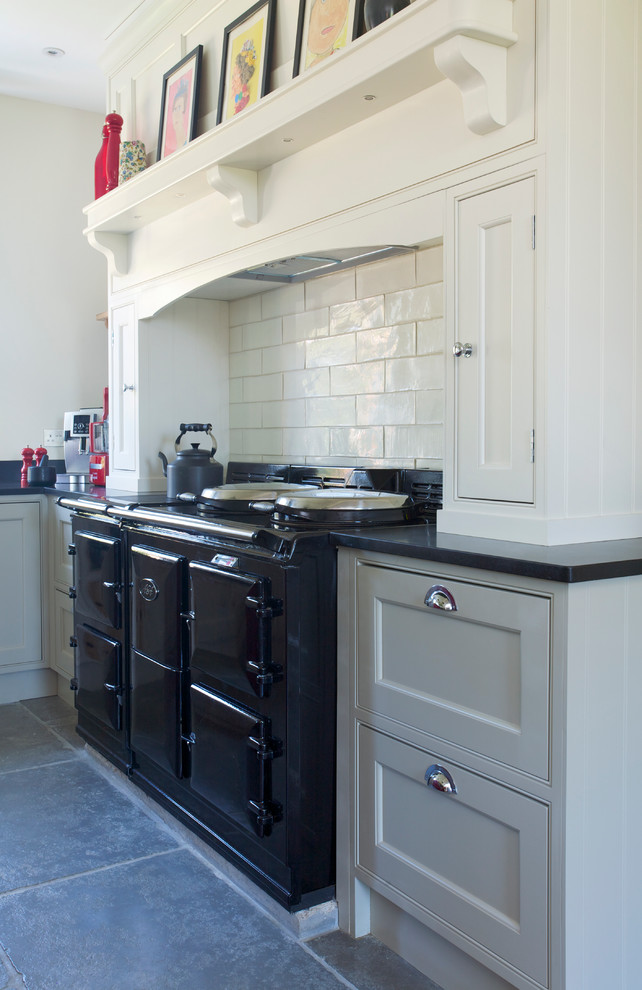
x: 250, y: 491
x: 353, y: 500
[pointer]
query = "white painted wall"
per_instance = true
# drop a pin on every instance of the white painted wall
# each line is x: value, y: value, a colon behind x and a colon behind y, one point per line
x: 54, y: 353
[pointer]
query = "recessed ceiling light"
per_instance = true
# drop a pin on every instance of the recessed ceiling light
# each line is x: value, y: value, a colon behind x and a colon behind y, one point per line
x: 53, y: 52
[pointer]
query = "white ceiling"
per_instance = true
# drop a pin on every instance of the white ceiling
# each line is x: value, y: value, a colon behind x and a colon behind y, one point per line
x: 81, y: 28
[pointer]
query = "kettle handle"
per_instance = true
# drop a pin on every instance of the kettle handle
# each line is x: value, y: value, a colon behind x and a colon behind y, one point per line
x: 196, y: 428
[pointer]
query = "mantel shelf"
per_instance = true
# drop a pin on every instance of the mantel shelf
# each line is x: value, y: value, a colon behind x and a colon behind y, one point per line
x: 464, y: 40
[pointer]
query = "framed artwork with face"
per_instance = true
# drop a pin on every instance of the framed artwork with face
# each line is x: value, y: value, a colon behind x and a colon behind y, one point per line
x: 324, y: 27
x: 179, y: 104
x: 245, y: 62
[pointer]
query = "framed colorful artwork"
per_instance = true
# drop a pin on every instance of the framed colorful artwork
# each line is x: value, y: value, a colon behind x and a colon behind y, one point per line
x: 245, y: 64
x: 324, y: 27
x: 179, y: 104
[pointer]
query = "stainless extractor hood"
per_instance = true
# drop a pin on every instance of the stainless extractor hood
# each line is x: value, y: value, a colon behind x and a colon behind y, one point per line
x: 305, y: 266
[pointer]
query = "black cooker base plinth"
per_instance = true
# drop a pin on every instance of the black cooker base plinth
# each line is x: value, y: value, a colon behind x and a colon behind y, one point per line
x: 275, y: 879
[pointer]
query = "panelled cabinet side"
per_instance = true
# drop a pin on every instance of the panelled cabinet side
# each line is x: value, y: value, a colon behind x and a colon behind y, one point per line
x: 59, y: 584
x: 20, y: 634
x: 23, y: 575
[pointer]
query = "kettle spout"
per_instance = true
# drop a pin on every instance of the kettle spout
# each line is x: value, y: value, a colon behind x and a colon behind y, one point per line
x: 164, y: 461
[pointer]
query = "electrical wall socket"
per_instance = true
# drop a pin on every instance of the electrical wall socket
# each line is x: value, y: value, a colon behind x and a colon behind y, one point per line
x: 53, y: 438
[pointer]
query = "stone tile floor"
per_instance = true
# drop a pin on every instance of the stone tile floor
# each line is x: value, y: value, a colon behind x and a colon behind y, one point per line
x: 98, y: 892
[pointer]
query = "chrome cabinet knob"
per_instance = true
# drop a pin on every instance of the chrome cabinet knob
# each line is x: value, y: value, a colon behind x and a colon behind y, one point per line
x: 128, y: 388
x: 440, y: 779
x: 440, y: 597
x: 464, y: 350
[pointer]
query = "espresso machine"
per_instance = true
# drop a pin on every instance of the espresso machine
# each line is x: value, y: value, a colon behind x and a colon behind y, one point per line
x: 77, y: 440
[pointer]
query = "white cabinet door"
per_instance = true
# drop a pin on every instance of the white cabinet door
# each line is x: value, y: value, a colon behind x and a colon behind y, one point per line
x: 123, y: 390
x: 495, y: 316
x: 20, y: 619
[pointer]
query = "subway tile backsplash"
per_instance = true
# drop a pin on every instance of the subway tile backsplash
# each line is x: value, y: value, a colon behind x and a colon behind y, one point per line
x: 347, y: 368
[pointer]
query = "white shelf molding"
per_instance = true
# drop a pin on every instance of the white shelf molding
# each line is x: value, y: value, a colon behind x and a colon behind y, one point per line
x: 114, y: 246
x: 478, y: 69
x: 240, y: 187
x: 464, y: 40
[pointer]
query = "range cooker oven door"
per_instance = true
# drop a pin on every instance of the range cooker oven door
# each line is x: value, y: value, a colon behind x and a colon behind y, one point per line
x: 232, y: 754
x: 157, y: 673
x: 231, y: 617
x: 99, y: 676
x: 98, y: 588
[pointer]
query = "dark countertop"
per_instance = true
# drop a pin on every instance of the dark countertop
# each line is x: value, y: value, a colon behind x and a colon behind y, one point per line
x: 567, y: 563
x: 81, y: 491
x: 15, y: 488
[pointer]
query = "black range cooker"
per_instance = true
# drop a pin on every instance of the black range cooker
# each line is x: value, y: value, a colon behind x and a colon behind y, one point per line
x: 205, y: 644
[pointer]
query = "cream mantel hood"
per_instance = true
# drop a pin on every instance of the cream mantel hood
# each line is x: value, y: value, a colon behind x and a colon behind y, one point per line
x: 353, y: 152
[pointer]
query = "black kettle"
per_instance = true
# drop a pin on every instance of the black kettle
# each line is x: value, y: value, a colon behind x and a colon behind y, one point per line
x: 193, y: 470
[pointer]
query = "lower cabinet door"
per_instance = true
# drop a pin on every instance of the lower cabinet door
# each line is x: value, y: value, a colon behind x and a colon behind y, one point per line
x: 155, y: 713
x: 232, y: 753
x: 99, y: 676
x: 473, y: 859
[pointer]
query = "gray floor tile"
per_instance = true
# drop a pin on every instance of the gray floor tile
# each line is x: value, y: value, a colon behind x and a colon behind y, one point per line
x: 51, y: 710
x: 67, y: 729
x: 368, y: 963
x: 64, y: 819
x: 10, y: 977
x: 58, y: 716
x: 26, y: 742
x: 161, y: 924
x: 99, y: 895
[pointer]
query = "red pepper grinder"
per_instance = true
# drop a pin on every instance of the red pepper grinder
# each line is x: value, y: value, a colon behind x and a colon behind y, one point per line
x: 100, y: 173
x: 112, y: 156
x: 27, y: 462
x: 40, y: 453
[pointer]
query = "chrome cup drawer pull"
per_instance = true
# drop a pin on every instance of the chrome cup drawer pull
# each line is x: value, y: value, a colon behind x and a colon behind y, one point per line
x: 439, y: 597
x: 438, y: 777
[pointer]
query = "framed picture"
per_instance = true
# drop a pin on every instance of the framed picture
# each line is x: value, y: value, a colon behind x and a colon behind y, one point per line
x: 324, y: 27
x: 179, y: 104
x: 245, y: 65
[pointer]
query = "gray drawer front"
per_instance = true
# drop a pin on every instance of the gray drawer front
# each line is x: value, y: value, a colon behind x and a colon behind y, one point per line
x: 478, y: 676
x: 476, y: 860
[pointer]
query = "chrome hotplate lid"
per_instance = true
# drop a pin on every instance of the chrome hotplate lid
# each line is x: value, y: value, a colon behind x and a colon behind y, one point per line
x: 338, y: 500
x: 352, y: 507
x: 237, y: 495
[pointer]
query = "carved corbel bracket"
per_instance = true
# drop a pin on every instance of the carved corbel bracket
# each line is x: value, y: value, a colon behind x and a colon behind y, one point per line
x: 115, y: 247
x: 479, y: 69
x: 240, y: 187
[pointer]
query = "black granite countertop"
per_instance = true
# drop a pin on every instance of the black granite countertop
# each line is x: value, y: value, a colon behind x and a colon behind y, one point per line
x: 567, y: 563
x: 75, y: 490
x: 15, y: 488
